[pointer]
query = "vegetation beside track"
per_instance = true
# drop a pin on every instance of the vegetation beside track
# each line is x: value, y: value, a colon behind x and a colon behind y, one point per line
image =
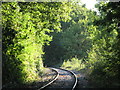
x: 40, y: 34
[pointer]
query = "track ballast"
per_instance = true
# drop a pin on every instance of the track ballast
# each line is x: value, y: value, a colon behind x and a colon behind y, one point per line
x: 64, y: 79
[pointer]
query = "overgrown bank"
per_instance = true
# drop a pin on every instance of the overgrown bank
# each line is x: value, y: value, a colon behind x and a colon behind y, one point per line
x: 26, y: 27
x: 78, y: 39
x: 91, y: 41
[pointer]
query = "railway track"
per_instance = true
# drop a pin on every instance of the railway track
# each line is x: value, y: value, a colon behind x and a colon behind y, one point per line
x: 64, y: 79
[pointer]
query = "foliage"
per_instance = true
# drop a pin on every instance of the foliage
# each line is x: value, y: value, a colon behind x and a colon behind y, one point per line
x: 74, y: 39
x: 73, y: 64
x: 25, y: 32
x: 67, y: 34
x: 54, y: 52
x: 104, y: 54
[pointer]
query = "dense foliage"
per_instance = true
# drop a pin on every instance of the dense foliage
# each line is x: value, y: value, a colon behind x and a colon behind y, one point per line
x: 61, y: 34
x: 90, y: 38
x: 104, y: 56
x: 25, y: 31
x: 73, y: 40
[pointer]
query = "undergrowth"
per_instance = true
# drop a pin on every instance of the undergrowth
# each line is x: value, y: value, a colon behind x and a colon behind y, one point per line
x: 73, y: 64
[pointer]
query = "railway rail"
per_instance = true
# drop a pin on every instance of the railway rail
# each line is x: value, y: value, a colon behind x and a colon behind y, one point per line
x: 64, y: 79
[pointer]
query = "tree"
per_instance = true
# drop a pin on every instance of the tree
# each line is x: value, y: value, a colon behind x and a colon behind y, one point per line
x: 73, y: 39
x: 110, y: 14
x: 25, y: 32
x: 104, y: 54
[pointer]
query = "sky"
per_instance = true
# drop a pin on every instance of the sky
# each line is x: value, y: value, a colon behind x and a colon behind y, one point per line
x: 89, y: 3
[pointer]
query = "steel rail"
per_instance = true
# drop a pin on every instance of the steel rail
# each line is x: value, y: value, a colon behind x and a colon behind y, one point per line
x: 50, y: 81
x: 75, y: 76
x: 75, y: 83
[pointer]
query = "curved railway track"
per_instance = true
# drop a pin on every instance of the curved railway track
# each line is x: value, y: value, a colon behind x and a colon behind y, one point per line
x: 64, y: 79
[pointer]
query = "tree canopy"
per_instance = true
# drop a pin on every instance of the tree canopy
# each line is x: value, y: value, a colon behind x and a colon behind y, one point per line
x: 40, y: 34
x: 25, y: 31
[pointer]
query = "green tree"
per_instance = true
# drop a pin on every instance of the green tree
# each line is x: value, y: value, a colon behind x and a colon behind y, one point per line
x: 104, y: 54
x: 26, y: 28
x: 111, y: 16
x: 73, y: 40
